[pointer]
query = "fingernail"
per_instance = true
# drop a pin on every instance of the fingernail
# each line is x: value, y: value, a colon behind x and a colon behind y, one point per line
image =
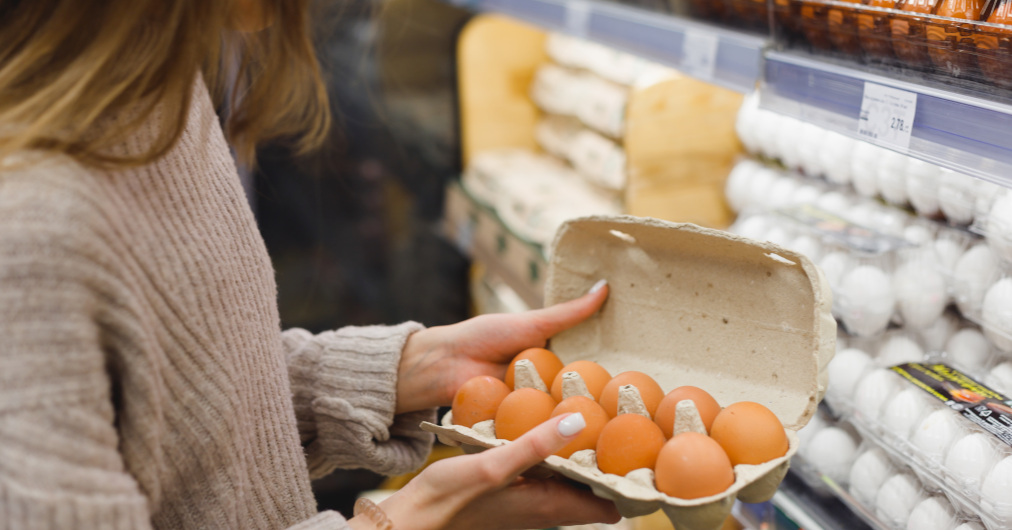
x: 598, y: 286
x: 572, y: 425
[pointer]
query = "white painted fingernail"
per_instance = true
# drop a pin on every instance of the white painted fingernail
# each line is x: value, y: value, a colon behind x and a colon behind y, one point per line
x: 598, y: 286
x: 572, y: 425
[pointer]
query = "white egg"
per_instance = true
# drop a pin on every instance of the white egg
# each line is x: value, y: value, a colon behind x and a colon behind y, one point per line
x: 892, y: 182
x: 867, y: 300
x: 921, y: 294
x: 936, y: 433
x: 996, y: 314
x: 788, y: 135
x: 922, y: 186
x: 999, y: 226
x: 969, y: 525
x: 814, y: 425
x: 745, y: 123
x: 969, y: 350
x: 778, y: 235
x: 738, y: 184
x: 1000, y: 378
x: 996, y: 493
x: 907, y: 410
x: 834, y: 266
x: 970, y: 458
x: 845, y: 370
x: 863, y: 173
x: 833, y: 202
x: 807, y: 246
x: 918, y: 234
x: 933, y: 513
x: 873, y: 392
x: 956, y: 196
x: 767, y: 127
x: 975, y: 271
x: 834, y: 157
x: 948, y: 253
x: 899, y: 349
x: 832, y: 452
x: 870, y: 470
x: 759, y: 186
x: 890, y: 220
x: 985, y: 194
x: 752, y: 227
x: 897, y: 498
x: 781, y: 193
x: 810, y: 143
x: 806, y: 194
x: 935, y: 335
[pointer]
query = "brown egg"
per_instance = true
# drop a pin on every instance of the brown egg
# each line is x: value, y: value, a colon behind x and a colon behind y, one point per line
x: 593, y: 414
x: 545, y: 362
x: 594, y: 376
x: 749, y: 433
x: 521, y: 411
x: 628, y: 442
x: 478, y: 400
x: 692, y: 465
x: 705, y: 404
x: 649, y: 390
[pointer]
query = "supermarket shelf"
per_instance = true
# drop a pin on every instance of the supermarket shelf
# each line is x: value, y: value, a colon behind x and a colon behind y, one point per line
x: 951, y: 128
x: 716, y: 55
x: 479, y: 233
x: 810, y: 510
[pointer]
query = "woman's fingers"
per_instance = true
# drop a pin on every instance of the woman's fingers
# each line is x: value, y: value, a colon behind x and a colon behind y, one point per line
x: 535, y: 504
x: 559, y: 317
x: 504, y: 464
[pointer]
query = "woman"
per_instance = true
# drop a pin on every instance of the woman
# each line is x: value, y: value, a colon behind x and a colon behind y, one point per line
x: 144, y: 378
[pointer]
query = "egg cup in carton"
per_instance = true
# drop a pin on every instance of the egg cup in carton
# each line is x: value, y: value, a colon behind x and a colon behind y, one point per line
x: 746, y: 321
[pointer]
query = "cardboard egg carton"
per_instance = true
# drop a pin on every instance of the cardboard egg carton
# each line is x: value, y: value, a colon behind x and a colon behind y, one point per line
x: 744, y: 320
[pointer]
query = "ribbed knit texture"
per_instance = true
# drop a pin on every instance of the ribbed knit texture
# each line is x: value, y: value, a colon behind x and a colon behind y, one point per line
x: 144, y: 379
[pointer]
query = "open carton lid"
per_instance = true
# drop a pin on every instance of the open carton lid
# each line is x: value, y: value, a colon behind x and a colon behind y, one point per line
x: 743, y: 320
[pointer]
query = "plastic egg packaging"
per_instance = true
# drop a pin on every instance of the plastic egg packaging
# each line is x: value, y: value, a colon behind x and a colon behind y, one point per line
x: 675, y: 265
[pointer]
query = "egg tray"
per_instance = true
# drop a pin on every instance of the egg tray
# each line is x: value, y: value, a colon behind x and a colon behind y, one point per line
x: 744, y: 320
x: 634, y: 498
x: 928, y: 43
x: 934, y: 476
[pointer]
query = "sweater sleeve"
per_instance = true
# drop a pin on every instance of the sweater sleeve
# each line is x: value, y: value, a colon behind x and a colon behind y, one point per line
x: 344, y: 386
x: 60, y: 466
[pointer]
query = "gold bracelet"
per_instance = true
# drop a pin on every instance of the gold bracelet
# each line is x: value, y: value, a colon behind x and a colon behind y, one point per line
x: 369, y: 510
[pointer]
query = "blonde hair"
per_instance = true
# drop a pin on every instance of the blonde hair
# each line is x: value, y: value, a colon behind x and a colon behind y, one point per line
x: 67, y: 64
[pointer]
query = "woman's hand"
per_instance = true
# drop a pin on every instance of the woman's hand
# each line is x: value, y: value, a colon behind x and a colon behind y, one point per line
x: 436, y: 361
x: 485, y: 490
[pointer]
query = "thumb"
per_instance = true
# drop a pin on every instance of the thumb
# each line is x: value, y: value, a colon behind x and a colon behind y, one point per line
x: 536, y: 445
x: 562, y: 316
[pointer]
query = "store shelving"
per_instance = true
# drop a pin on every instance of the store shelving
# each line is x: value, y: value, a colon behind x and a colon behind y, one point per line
x: 724, y: 57
x: 950, y: 128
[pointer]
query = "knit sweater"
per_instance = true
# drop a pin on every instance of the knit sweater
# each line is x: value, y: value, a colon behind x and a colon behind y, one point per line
x: 145, y: 381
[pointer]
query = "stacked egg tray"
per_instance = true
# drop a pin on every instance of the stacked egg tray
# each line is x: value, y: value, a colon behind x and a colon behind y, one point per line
x: 917, y: 35
x: 745, y: 320
x: 943, y: 237
x: 583, y: 93
x: 875, y: 481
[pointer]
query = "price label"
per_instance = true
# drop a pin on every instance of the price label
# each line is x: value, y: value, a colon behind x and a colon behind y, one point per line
x: 577, y: 17
x: 699, y: 53
x: 887, y: 115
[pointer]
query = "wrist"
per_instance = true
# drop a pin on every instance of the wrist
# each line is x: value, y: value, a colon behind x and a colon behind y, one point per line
x: 369, y: 516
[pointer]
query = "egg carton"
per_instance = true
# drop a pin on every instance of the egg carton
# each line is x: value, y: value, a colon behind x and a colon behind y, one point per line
x: 949, y: 455
x: 608, y: 63
x: 751, y: 321
x: 600, y: 160
x: 598, y: 103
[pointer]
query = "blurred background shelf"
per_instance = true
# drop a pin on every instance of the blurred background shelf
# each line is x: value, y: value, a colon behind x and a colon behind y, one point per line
x: 724, y: 57
x: 953, y: 127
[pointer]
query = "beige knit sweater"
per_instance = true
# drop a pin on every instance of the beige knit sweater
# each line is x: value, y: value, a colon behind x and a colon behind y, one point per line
x: 144, y: 378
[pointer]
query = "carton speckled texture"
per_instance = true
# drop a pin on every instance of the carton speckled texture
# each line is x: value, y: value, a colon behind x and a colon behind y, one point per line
x: 744, y: 320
